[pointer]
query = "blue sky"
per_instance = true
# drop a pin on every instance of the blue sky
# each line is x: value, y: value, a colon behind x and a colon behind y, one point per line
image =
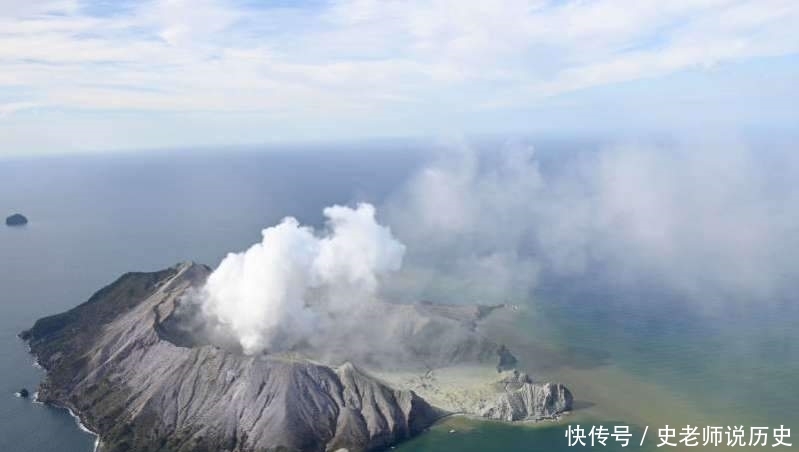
x: 81, y: 75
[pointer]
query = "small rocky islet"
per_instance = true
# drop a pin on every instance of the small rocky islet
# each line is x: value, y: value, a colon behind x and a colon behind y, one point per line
x: 16, y: 219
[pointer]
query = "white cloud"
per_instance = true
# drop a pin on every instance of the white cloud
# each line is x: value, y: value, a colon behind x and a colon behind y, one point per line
x: 12, y: 107
x: 358, y: 59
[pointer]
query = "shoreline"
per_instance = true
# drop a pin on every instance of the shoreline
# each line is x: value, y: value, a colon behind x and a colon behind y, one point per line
x: 81, y: 425
x: 73, y: 414
x: 63, y: 407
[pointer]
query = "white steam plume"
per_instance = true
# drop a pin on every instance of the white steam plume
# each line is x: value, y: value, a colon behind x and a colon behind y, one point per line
x: 714, y: 222
x: 469, y: 223
x: 276, y: 293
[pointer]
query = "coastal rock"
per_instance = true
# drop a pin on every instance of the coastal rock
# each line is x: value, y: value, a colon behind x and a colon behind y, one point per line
x: 107, y: 362
x: 23, y: 393
x: 530, y: 401
x: 16, y: 219
x: 475, y: 390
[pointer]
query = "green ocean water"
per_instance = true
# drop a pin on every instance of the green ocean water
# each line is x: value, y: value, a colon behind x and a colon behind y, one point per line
x: 644, y: 365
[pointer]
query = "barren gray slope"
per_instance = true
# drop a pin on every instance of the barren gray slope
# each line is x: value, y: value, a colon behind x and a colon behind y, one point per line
x: 106, y: 360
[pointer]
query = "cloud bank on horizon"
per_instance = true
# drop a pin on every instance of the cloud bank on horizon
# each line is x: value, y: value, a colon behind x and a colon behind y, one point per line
x: 81, y: 74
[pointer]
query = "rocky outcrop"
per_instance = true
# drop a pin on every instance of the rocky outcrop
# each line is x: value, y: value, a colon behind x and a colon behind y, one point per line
x: 522, y: 399
x: 475, y: 391
x: 16, y: 219
x: 107, y: 362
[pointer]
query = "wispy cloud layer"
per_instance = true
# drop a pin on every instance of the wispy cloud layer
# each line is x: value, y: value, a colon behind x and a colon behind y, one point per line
x: 354, y: 59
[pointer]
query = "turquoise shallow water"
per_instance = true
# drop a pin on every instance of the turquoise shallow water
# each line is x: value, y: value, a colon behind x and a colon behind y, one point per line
x: 632, y: 357
x: 738, y: 364
x: 634, y: 369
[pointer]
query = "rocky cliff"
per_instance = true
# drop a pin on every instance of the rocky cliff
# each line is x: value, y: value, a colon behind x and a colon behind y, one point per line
x: 519, y: 398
